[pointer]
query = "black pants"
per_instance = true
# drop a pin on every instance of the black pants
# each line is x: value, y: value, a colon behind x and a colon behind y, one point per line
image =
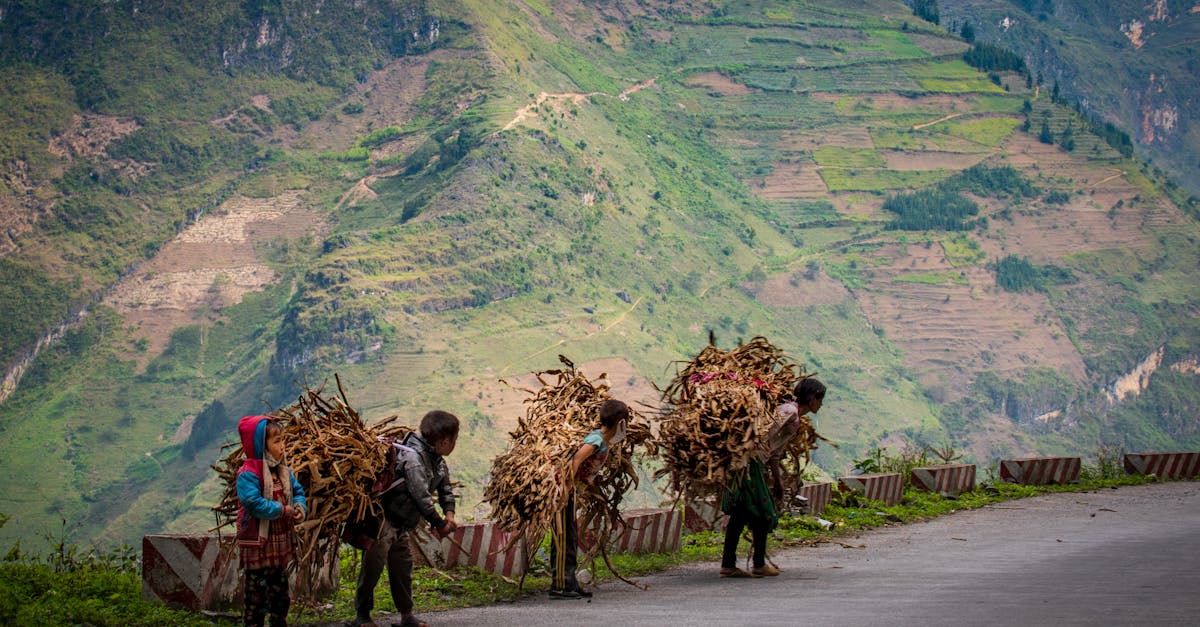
x: 759, y: 529
x: 391, y: 550
x: 564, y: 578
x: 266, y: 593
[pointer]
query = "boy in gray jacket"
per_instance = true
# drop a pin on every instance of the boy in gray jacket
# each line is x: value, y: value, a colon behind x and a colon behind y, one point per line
x: 420, y: 472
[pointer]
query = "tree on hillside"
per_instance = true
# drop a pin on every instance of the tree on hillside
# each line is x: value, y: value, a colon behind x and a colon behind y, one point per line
x: 927, y: 10
x: 931, y: 209
x: 967, y: 32
x: 1046, y: 137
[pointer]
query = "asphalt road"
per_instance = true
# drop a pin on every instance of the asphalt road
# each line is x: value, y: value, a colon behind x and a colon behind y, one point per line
x: 1111, y: 557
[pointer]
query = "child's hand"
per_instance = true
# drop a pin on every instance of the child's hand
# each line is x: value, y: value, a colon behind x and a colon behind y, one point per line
x: 446, y: 529
x: 297, y: 513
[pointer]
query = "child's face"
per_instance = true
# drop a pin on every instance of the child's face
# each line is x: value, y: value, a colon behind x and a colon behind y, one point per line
x: 275, y: 443
x: 814, y: 404
x: 445, y: 446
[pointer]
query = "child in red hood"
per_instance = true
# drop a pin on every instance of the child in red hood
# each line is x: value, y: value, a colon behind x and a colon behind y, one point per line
x: 270, y: 501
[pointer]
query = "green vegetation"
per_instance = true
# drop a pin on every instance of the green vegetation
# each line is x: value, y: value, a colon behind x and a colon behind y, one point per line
x: 1017, y: 274
x: 931, y: 209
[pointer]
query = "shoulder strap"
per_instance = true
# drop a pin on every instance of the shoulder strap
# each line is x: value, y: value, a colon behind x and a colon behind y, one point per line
x: 403, y: 454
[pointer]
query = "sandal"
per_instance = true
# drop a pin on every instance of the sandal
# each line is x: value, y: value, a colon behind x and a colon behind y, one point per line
x: 736, y: 573
x: 411, y: 621
x: 766, y: 571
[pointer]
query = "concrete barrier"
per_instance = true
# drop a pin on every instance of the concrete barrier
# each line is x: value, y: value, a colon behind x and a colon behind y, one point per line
x: 819, y: 495
x: 649, y: 531
x: 945, y: 479
x: 704, y: 515
x: 1040, y: 470
x: 887, y: 486
x: 202, y: 573
x: 1179, y: 465
x: 481, y: 543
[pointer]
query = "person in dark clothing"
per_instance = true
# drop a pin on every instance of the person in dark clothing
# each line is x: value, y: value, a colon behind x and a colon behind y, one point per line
x: 747, y: 499
x: 419, y: 472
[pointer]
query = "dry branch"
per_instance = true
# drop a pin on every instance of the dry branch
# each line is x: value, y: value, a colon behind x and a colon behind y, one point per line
x: 334, y: 456
x: 530, y: 482
x: 722, y: 404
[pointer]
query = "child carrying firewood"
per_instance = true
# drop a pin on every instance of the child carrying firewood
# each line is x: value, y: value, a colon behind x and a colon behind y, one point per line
x: 270, y: 501
x: 585, y: 465
x: 419, y: 472
x: 747, y: 499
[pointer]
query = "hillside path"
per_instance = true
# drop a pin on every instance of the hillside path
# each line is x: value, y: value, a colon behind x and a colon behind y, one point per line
x: 917, y: 127
x: 1111, y: 557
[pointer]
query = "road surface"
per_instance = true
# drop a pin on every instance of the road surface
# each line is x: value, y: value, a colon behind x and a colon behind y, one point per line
x: 1129, y: 556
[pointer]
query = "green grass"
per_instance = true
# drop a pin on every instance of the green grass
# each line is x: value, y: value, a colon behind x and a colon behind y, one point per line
x: 841, y: 157
x: 933, y: 278
x: 961, y: 250
x: 868, y: 180
x: 989, y: 131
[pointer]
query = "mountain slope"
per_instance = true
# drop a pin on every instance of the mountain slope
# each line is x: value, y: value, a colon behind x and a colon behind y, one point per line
x: 1130, y: 63
x: 609, y: 181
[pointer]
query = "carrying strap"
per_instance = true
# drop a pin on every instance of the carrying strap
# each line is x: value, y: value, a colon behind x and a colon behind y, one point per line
x: 400, y: 454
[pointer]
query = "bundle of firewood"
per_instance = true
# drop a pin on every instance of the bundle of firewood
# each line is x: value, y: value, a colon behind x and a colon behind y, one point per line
x: 333, y: 455
x: 530, y: 482
x: 722, y: 405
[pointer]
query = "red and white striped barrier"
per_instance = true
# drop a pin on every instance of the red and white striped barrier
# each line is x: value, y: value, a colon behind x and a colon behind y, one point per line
x: 1181, y: 465
x: 196, y: 572
x: 203, y: 573
x: 886, y: 486
x: 819, y: 495
x: 480, y: 543
x: 945, y: 479
x: 649, y: 531
x: 1040, y: 470
x: 705, y: 515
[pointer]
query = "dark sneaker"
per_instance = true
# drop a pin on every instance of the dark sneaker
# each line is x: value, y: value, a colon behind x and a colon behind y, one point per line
x: 583, y: 593
x: 565, y: 594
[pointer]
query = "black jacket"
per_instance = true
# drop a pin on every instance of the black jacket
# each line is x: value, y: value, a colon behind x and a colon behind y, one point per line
x: 419, y: 474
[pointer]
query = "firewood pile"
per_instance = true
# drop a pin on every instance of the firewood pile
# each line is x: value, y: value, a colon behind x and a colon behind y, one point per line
x: 334, y: 456
x: 721, y: 407
x: 530, y: 482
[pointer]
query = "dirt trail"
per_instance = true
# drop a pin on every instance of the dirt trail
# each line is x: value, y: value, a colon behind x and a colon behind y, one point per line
x: 528, y: 110
x: 1119, y: 173
x: 362, y: 189
x: 917, y: 127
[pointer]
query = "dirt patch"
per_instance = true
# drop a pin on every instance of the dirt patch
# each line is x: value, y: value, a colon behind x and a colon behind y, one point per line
x: 792, y: 290
x: 20, y: 208
x: 557, y: 104
x: 718, y: 83
x: 89, y: 135
x: 953, y: 329
x: 897, y: 102
x: 1103, y: 214
x: 211, y: 265
x: 790, y: 180
x: 938, y: 46
x: 863, y: 205
x: 387, y: 97
x: 909, y: 160
x: 845, y: 137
